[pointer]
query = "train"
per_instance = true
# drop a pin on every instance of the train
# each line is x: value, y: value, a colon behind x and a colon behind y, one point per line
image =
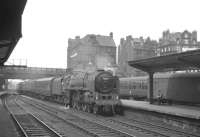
x: 95, y: 92
x: 133, y: 88
x: 179, y: 88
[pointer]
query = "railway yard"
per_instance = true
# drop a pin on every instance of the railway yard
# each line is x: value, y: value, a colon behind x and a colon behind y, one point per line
x: 33, y: 117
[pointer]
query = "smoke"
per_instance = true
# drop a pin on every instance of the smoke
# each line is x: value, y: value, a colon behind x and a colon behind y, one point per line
x: 104, y: 61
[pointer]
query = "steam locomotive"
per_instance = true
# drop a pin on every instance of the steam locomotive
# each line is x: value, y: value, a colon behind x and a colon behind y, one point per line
x: 181, y: 88
x: 96, y: 92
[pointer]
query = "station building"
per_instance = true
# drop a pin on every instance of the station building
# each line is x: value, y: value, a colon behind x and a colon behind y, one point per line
x: 177, y: 42
x: 134, y: 49
x: 91, y: 52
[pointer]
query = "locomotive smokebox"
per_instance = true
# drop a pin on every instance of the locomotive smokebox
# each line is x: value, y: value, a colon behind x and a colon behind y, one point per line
x: 104, y: 82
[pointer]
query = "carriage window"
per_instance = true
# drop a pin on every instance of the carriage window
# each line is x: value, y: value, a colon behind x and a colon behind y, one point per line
x: 133, y: 86
x: 140, y: 85
x: 86, y: 76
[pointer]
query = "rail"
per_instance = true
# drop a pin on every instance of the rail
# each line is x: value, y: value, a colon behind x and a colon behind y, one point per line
x: 30, y: 125
x: 88, y: 126
x: 141, y: 127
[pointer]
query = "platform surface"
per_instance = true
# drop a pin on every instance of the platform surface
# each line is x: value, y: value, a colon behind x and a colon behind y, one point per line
x: 7, y: 127
x: 177, y: 110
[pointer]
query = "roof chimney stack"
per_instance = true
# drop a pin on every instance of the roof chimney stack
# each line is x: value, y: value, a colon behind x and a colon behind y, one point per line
x: 111, y: 34
x: 77, y: 37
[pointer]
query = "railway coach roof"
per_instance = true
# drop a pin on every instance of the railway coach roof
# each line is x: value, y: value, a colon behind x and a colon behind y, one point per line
x: 44, y: 79
x: 172, y: 62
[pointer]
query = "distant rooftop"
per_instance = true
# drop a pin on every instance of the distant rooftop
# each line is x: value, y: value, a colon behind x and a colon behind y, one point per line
x: 95, y: 40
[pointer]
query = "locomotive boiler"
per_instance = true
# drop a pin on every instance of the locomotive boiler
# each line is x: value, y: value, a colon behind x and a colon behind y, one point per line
x: 96, y: 92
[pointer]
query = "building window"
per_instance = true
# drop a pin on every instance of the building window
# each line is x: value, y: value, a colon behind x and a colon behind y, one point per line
x: 194, y: 42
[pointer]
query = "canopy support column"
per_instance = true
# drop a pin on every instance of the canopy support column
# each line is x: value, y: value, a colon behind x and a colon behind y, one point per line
x: 151, y: 87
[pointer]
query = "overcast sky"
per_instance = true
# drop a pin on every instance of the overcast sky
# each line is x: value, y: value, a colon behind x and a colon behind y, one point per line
x: 47, y: 24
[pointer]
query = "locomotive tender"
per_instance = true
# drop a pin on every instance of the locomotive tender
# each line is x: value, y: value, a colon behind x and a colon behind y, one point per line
x: 95, y: 92
x: 181, y: 88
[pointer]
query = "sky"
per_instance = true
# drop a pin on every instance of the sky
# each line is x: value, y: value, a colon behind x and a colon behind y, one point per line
x: 47, y: 24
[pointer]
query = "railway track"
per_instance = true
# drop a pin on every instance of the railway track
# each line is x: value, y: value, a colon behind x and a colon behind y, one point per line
x: 141, y: 127
x: 28, y: 124
x: 90, y: 127
x: 149, y: 128
x: 154, y: 129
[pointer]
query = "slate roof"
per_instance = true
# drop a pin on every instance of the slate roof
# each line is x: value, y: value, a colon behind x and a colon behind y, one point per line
x: 94, y: 40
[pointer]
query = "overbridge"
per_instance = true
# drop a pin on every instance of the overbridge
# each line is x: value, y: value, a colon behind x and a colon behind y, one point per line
x: 23, y: 72
x: 173, y: 62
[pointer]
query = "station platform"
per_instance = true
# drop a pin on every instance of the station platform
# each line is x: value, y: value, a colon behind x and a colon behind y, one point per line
x: 7, y: 127
x: 176, y: 110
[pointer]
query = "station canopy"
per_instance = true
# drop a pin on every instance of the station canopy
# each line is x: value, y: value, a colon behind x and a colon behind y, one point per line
x: 10, y: 26
x: 173, y: 62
